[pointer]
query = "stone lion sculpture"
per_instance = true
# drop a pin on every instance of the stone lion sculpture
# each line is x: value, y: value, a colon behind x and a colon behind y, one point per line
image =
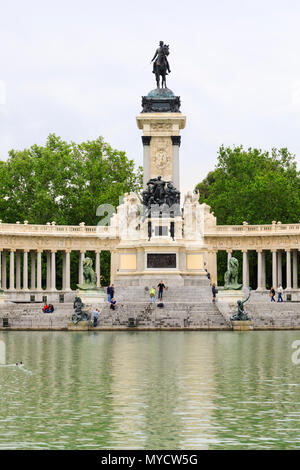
x: 89, y: 275
x: 231, y: 275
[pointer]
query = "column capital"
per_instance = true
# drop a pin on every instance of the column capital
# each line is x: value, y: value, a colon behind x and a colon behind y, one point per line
x: 229, y: 251
x: 53, y: 251
x: 82, y: 252
x: 176, y: 140
x: 146, y: 139
x: 287, y: 250
x: 26, y: 251
x: 39, y: 251
x: 274, y: 250
x: 67, y: 250
x: 12, y: 250
x: 259, y: 250
x: 98, y: 251
x: 245, y: 251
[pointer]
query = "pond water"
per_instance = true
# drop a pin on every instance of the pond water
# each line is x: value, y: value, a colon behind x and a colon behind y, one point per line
x: 150, y: 390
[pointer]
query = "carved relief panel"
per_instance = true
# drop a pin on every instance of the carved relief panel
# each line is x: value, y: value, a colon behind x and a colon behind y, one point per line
x: 161, y: 158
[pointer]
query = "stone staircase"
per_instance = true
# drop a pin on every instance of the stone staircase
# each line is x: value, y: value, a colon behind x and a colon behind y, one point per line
x: 173, y: 315
x: 274, y: 315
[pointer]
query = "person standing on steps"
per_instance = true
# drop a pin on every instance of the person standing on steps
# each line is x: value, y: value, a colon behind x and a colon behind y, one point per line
x: 214, y: 291
x: 96, y: 316
x: 272, y: 294
x: 161, y: 288
x: 280, y: 291
x: 152, y: 295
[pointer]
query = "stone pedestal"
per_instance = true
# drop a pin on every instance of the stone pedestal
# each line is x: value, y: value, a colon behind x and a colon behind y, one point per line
x: 91, y: 296
x: 242, y: 325
x: 230, y: 296
x: 81, y: 326
x: 2, y: 297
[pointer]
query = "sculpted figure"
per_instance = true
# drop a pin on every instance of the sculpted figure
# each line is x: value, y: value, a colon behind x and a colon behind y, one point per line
x: 231, y: 276
x: 89, y: 275
x: 241, y: 315
x: 78, y: 314
x: 161, y: 66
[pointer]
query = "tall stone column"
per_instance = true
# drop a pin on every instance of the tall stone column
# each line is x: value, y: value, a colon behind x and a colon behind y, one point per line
x: 146, y: 162
x: 263, y: 258
x: 32, y: 283
x: 67, y: 280
x: 274, y: 268
x: 25, y: 270
x: 245, y: 268
x: 98, y: 271
x: 229, y: 255
x: 295, y: 269
x: 53, y: 270
x: 4, y: 274
x: 288, y: 270
x: 48, y: 279
x: 259, y: 270
x: 279, y: 267
x: 176, y: 141
x: 12, y: 270
x: 18, y: 270
x: 81, y: 258
x: 39, y: 270
x: 0, y: 268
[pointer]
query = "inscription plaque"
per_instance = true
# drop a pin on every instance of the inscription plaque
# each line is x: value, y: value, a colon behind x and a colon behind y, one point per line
x: 161, y: 260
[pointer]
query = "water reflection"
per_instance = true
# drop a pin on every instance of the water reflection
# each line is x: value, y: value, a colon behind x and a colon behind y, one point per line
x: 178, y: 390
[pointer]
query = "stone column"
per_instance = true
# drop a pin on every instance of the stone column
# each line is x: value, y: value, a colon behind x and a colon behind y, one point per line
x: 259, y: 270
x: 53, y: 270
x: 279, y: 267
x: 176, y: 141
x: 4, y: 276
x: 245, y: 268
x: 48, y: 280
x: 229, y: 255
x: 81, y: 258
x: 25, y: 270
x: 12, y: 270
x: 98, y: 271
x: 263, y: 258
x: 146, y: 163
x: 18, y: 270
x: 274, y: 268
x: 39, y: 270
x: 295, y: 269
x: 288, y: 270
x: 0, y: 268
x: 32, y: 284
x: 67, y: 280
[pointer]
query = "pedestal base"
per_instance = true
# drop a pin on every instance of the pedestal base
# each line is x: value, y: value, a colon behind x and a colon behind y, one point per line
x: 91, y: 296
x: 81, y: 326
x: 2, y: 297
x: 230, y: 296
x: 242, y: 325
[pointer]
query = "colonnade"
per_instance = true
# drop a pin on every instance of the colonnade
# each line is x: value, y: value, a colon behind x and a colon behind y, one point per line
x: 277, y: 255
x: 17, y: 281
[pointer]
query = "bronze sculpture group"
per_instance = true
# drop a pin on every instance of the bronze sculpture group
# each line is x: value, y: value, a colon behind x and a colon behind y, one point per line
x: 160, y: 192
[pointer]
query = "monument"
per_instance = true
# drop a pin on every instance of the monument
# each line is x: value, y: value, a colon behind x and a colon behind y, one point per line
x: 158, y: 237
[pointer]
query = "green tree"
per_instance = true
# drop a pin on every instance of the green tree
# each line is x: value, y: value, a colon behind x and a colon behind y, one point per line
x: 64, y: 182
x: 253, y: 186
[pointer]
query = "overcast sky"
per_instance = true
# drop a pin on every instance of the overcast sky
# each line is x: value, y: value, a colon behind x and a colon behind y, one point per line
x: 79, y: 69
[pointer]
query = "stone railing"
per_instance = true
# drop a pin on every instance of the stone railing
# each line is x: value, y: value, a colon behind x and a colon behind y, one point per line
x: 53, y: 229
x: 253, y: 230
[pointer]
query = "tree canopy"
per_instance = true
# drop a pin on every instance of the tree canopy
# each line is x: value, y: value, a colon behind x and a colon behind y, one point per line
x: 253, y: 186
x: 64, y: 182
